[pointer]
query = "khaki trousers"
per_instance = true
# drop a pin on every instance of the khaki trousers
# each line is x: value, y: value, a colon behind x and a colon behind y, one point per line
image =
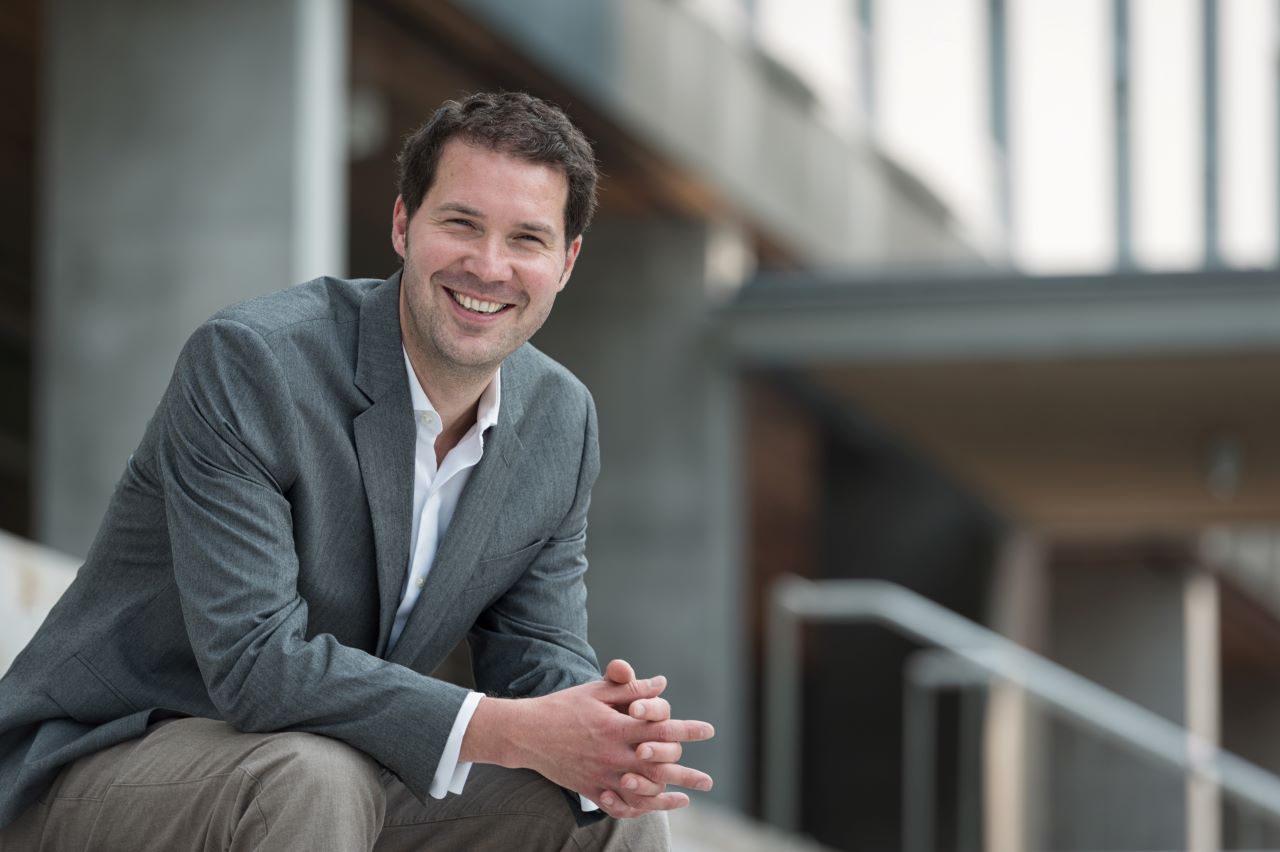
x: 197, y: 784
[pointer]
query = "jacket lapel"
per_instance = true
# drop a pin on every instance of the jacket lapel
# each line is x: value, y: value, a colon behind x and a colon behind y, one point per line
x: 384, y: 436
x: 484, y: 496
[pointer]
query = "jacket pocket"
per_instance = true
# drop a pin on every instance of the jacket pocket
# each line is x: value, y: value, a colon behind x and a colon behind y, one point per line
x: 506, y: 568
x: 84, y: 695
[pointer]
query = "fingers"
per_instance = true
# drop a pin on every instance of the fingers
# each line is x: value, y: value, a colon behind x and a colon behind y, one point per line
x: 638, y: 785
x: 661, y: 768
x: 650, y: 709
x: 615, y: 805
x: 623, y: 694
x: 660, y: 752
x: 679, y: 731
x: 659, y: 775
x: 619, y: 671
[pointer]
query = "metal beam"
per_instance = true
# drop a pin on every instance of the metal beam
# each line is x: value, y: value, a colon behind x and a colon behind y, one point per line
x: 808, y: 319
x: 867, y: 55
x: 997, y: 38
x: 1212, y: 249
x: 1123, y: 152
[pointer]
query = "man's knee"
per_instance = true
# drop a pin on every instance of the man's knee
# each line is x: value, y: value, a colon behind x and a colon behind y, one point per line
x: 312, y: 762
x: 648, y: 833
x: 311, y: 785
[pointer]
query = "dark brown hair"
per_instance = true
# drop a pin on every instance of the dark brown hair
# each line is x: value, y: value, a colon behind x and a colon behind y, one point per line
x: 511, y: 123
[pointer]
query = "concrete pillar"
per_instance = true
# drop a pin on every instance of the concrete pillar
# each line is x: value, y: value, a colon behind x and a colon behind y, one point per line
x: 1120, y: 619
x: 192, y: 157
x: 1203, y: 700
x: 667, y: 578
x: 1013, y: 754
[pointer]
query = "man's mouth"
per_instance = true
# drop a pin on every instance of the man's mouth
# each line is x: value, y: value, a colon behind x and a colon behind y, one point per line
x: 477, y: 306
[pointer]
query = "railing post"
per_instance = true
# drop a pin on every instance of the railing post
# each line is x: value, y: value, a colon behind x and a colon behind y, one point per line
x: 794, y: 600
x: 919, y: 763
x: 782, y: 684
x: 969, y: 770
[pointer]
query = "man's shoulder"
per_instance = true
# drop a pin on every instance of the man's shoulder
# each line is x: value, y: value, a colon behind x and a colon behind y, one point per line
x: 535, y: 369
x: 321, y: 301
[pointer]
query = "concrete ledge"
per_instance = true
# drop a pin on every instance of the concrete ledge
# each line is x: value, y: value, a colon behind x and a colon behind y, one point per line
x: 32, y: 578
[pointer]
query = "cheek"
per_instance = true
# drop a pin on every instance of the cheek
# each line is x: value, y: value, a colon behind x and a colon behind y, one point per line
x: 547, y: 276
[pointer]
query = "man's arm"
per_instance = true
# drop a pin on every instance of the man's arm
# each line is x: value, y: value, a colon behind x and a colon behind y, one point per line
x: 532, y: 640
x: 228, y: 460
x: 530, y: 650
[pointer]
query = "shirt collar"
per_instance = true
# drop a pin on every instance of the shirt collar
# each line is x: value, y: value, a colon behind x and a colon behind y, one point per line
x: 486, y: 411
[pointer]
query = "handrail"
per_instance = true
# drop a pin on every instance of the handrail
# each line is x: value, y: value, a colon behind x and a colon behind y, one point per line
x: 876, y: 601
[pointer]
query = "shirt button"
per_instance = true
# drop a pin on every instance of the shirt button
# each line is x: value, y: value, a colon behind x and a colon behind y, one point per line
x: 420, y: 582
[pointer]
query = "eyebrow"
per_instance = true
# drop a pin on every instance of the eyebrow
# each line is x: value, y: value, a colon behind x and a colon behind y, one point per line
x: 457, y: 207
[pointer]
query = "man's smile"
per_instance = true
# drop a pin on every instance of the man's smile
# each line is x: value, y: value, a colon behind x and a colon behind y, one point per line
x: 476, y: 306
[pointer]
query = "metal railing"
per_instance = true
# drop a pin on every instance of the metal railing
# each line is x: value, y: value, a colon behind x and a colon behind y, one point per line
x: 1113, y: 717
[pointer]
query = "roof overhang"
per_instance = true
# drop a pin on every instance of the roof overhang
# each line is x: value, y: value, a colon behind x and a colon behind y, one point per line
x: 1115, y: 402
x: 806, y: 319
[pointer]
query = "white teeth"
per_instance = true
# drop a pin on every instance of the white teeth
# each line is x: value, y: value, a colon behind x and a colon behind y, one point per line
x: 477, y: 305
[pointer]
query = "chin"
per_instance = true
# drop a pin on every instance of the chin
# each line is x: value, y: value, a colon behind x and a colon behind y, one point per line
x: 474, y: 359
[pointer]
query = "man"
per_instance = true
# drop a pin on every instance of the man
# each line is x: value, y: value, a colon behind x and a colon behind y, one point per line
x: 341, y: 481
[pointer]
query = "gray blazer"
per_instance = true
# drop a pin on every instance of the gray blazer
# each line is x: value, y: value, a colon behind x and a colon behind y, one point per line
x: 252, y: 557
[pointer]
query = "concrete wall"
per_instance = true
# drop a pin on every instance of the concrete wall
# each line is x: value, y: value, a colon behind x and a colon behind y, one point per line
x: 666, y: 580
x: 170, y: 145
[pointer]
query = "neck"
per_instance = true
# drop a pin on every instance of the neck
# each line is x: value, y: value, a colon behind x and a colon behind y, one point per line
x: 454, y: 393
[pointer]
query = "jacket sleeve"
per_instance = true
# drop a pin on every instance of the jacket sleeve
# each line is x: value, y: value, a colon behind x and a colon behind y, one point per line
x: 228, y: 459
x: 533, y: 639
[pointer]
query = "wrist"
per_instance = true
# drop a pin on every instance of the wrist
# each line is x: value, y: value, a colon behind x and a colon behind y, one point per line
x: 493, y: 734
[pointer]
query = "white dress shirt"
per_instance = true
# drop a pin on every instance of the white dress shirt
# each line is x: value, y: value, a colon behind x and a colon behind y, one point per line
x: 435, y: 497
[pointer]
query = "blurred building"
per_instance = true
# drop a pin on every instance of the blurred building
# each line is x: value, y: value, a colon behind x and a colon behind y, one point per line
x: 807, y: 314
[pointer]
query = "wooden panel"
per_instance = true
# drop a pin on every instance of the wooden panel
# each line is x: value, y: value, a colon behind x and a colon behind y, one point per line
x: 1108, y: 443
x: 1250, y: 633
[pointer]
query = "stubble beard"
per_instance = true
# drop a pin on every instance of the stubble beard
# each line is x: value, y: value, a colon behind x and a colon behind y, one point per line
x: 428, y: 324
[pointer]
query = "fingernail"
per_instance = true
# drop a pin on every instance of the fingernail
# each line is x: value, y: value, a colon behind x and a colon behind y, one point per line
x: 630, y: 783
x: 606, y: 799
x: 704, y: 785
x: 637, y: 709
x: 658, y: 682
x: 646, y: 752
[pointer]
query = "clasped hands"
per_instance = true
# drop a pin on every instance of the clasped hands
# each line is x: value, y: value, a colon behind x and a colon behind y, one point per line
x: 612, y: 740
x: 656, y: 746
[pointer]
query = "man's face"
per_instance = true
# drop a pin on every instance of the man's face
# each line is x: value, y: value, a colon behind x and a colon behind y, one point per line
x: 484, y: 257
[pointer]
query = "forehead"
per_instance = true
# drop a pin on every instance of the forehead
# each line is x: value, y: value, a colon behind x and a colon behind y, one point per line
x: 499, y: 185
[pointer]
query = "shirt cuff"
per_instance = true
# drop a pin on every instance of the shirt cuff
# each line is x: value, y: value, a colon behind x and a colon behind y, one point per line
x: 450, y: 774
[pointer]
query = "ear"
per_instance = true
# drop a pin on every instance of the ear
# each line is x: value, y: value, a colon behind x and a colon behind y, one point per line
x: 400, y: 227
x: 570, y: 257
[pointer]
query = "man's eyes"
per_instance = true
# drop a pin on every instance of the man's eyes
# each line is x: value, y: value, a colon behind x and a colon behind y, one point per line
x: 468, y: 224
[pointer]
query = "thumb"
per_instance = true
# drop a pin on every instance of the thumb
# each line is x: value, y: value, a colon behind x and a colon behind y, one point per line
x: 619, y: 671
x: 622, y: 694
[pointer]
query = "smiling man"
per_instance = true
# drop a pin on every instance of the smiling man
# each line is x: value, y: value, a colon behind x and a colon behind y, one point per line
x: 342, y: 481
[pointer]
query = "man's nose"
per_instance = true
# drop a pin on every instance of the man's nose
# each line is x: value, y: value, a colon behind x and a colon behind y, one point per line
x: 488, y: 260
